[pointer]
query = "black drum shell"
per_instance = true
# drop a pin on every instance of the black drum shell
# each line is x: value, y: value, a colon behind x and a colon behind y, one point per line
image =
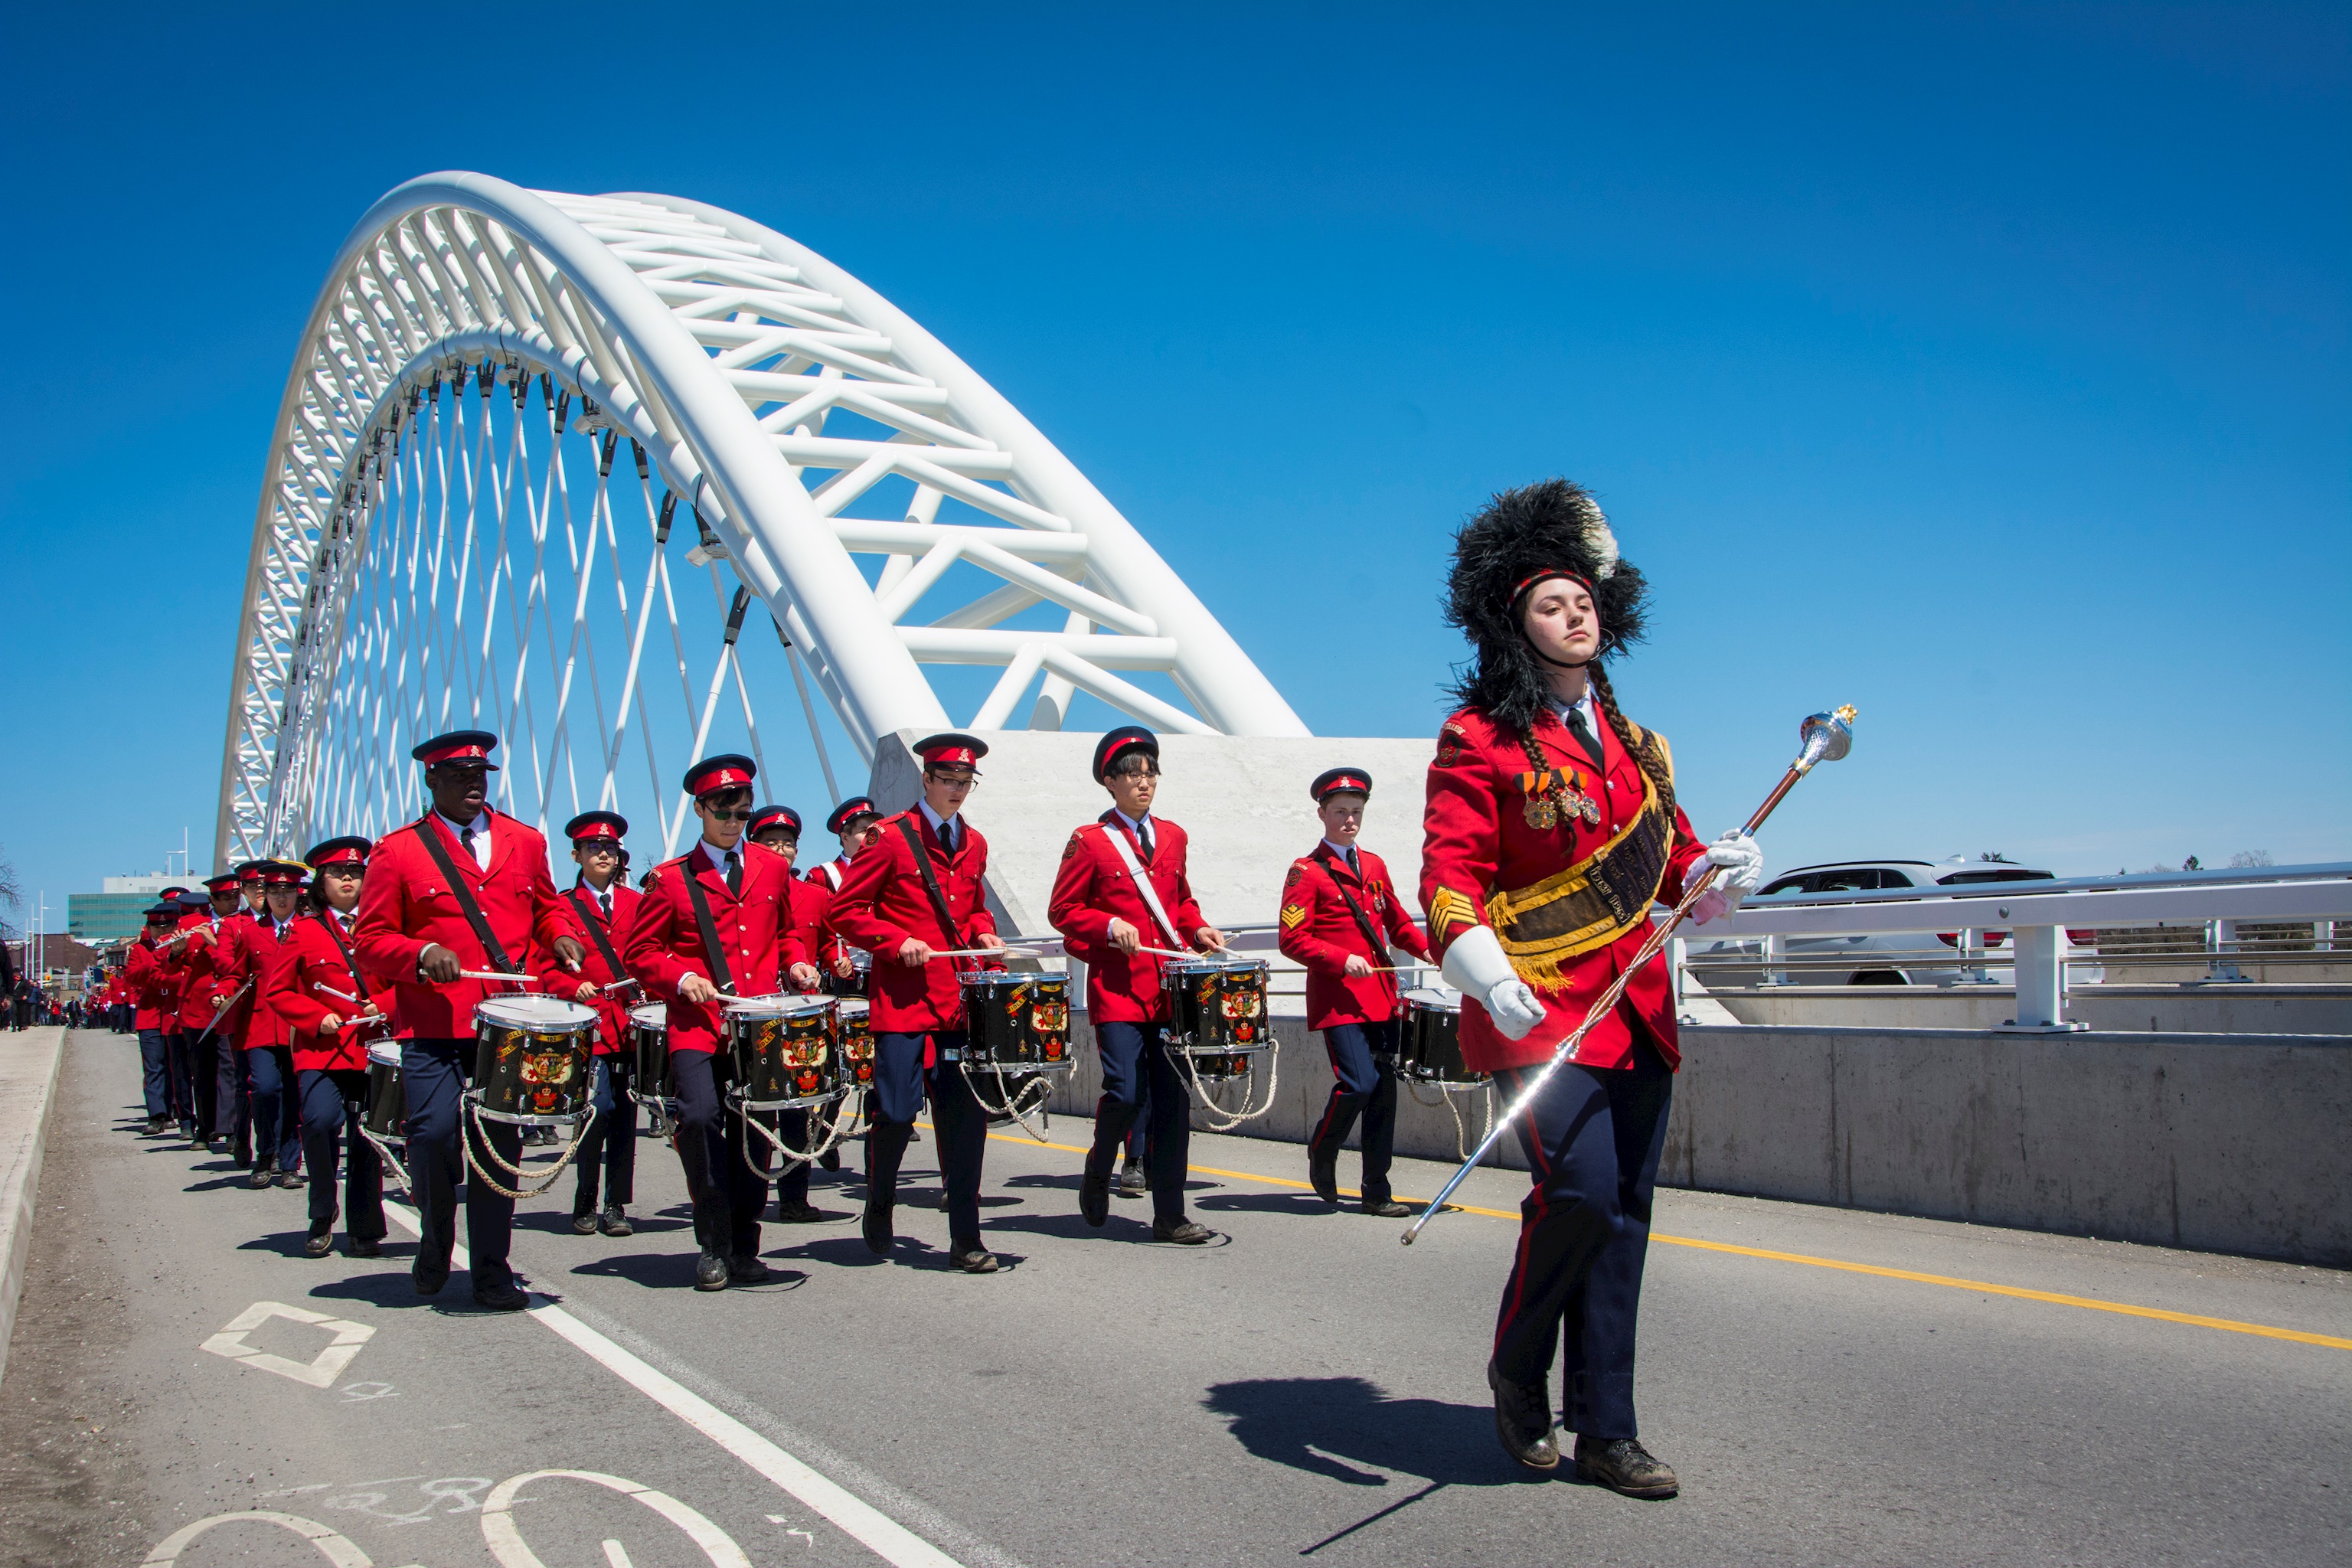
x: 387, y: 1103
x: 649, y: 1051
x: 762, y: 1052
x: 1431, y: 1046
x: 1219, y: 1008
x: 855, y: 1053
x: 1016, y: 1020
x: 502, y: 1058
x: 861, y: 977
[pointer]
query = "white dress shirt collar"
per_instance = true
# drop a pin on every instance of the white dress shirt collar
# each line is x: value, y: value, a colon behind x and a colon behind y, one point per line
x: 939, y: 826
x: 481, y: 829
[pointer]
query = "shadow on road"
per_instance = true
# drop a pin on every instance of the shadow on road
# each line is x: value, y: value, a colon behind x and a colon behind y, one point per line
x: 1331, y: 1425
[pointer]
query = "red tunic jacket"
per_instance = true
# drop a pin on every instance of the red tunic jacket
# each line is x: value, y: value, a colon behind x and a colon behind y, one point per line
x: 814, y: 899
x: 665, y: 942
x: 270, y: 961
x: 143, y: 973
x: 1318, y: 931
x: 1093, y: 887
x: 233, y: 970
x: 313, y: 959
x: 882, y: 903
x: 587, y: 923
x: 407, y: 903
x: 1477, y: 839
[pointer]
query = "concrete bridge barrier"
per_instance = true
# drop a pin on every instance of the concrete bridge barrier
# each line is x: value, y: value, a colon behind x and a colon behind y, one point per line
x: 2238, y: 1143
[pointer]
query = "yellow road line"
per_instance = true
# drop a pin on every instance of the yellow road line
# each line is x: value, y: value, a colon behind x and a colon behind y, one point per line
x: 2229, y: 1325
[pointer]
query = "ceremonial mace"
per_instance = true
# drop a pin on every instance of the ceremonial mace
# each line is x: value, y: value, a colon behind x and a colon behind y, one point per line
x: 1825, y: 738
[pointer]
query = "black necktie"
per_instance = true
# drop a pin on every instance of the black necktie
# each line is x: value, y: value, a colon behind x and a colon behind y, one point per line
x: 606, y: 898
x: 1358, y: 870
x: 467, y: 838
x: 734, y: 873
x: 1583, y: 734
x: 1144, y: 836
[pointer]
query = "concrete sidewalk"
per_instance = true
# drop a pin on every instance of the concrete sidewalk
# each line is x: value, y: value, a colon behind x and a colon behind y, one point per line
x: 29, y: 1078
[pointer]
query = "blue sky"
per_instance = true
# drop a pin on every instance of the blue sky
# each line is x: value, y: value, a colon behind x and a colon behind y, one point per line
x: 1984, y: 366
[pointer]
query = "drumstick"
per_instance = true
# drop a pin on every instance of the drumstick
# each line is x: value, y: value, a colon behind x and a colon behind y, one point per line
x: 363, y: 1019
x: 494, y: 975
x: 981, y: 952
x: 1172, y: 953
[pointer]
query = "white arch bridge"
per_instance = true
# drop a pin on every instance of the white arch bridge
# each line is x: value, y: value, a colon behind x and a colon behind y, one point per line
x: 520, y: 422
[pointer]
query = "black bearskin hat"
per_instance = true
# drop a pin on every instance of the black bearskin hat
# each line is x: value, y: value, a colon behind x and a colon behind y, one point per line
x: 1529, y: 534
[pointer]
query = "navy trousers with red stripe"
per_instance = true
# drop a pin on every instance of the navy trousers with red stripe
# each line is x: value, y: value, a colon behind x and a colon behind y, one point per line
x: 1584, y: 1230
x: 1363, y: 1072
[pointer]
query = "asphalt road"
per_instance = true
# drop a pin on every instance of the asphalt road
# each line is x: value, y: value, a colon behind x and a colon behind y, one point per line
x: 1304, y: 1389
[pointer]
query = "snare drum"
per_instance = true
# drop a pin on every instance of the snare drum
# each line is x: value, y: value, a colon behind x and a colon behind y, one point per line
x: 853, y: 1033
x: 782, y: 1051
x: 531, y: 1059
x: 649, y: 1041
x: 1216, y: 1014
x: 861, y: 976
x: 1430, y: 1048
x: 1016, y: 1021
x: 387, y: 1107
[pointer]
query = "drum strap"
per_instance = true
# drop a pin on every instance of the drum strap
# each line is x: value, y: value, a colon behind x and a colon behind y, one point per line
x: 1363, y: 922
x: 1143, y: 884
x: 931, y: 882
x: 335, y: 934
x: 714, y: 952
x: 465, y: 897
x: 603, y: 943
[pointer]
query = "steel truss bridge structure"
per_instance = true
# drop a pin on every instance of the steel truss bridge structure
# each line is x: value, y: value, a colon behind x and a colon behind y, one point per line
x: 512, y: 409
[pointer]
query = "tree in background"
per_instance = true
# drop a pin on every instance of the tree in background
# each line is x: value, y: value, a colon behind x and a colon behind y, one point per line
x: 11, y: 894
x: 2248, y: 859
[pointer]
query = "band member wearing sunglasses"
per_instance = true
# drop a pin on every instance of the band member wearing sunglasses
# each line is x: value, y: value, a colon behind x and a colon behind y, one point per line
x: 717, y: 924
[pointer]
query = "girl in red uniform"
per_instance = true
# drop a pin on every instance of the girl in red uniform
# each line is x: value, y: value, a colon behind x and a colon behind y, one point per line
x: 1551, y: 829
x: 324, y: 1008
x: 268, y: 1054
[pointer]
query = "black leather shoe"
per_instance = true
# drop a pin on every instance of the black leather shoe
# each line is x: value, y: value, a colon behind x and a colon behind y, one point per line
x: 747, y: 1271
x: 366, y: 1247
x: 914, y: 1135
x: 155, y: 1125
x: 1323, y: 1175
x: 259, y: 1179
x: 583, y: 1225
x: 1094, y: 1199
x: 829, y: 1161
x: 1623, y: 1464
x: 798, y: 1212
x: 975, y: 1260
x: 320, y: 1245
x: 1387, y: 1209
x: 711, y: 1271
x: 217, y: 1146
x: 1523, y: 1421
x: 428, y: 1277
x: 290, y: 1180
x: 1131, y: 1183
x: 507, y: 1298
x: 1182, y: 1232
x: 615, y: 1221
x: 877, y: 1226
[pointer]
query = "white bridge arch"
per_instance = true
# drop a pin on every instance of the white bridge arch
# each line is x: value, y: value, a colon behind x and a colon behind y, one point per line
x: 406, y: 575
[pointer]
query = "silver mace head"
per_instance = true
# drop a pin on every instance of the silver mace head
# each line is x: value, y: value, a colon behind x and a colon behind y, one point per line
x: 1825, y: 738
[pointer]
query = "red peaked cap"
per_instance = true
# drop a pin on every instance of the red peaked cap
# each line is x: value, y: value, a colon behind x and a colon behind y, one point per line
x: 349, y: 850
x: 769, y: 816
x: 855, y: 806
x: 250, y: 871
x: 730, y: 770
x: 224, y: 883
x: 284, y: 874
x: 953, y: 749
x: 458, y: 746
x: 1340, y: 781
x: 1121, y: 741
x: 591, y: 825
x: 161, y: 914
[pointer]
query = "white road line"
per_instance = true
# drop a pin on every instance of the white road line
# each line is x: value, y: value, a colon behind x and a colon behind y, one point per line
x: 861, y: 1521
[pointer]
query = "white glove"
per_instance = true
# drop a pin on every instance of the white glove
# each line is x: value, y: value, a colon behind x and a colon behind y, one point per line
x: 1475, y: 966
x: 1740, y: 865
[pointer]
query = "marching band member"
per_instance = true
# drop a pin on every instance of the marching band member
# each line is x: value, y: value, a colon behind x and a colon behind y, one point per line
x: 176, y: 1002
x: 1121, y: 891
x: 218, y: 965
x: 857, y: 826
x: 717, y: 924
x: 603, y: 906
x: 269, y: 1039
x: 917, y: 892
x: 330, y: 1020
x: 463, y: 887
x: 777, y: 828
x: 240, y: 1022
x: 1550, y: 828
x: 144, y: 978
x: 1340, y: 915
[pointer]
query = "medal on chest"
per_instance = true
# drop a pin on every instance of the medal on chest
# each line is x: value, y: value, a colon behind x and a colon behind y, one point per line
x: 1553, y: 794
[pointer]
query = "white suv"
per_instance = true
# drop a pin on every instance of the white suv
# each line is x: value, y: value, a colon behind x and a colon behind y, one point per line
x: 1890, y: 958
